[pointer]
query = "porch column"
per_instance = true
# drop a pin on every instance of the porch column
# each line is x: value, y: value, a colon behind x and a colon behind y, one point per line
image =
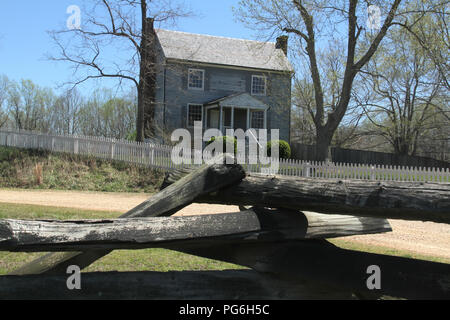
x: 232, y: 117
x: 248, y: 118
x: 265, y: 119
x: 221, y: 119
x: 206, y: 118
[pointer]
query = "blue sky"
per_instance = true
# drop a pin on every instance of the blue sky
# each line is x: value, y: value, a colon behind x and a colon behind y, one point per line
x: 24, y: 41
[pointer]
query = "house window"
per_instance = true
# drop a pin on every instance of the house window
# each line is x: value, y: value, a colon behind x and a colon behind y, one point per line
x: 196, y: 79
x: 257, y: 120
x: 195, y: 113
x: 259, y: 85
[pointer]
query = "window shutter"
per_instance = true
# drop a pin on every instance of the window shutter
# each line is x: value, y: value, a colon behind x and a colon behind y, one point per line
x: 184, y: 78
x: 206, y: 81
x: 248, y: 83
x: 184, y: 115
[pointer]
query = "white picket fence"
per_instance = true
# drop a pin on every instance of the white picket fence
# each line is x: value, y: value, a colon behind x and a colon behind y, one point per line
x: 159, y: 157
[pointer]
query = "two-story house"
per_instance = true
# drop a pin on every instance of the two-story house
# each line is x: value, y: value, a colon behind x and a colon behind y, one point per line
x: 222, y: 82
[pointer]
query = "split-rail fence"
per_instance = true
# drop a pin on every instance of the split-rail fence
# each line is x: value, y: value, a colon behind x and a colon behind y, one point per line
x: 280, y: 234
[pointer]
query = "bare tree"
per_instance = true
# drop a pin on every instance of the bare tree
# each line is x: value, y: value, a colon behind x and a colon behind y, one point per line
x: 64, y: 114
x: 319, y: 24
x: 4, y: 83
x: 108, y: 115
x: 432, y: 33
x: 304, y: 103
x: 27, y: 104
x: 403, y: 95
x: 125, y: 27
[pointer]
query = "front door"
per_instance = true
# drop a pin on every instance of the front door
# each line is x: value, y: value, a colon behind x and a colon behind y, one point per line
x: 240, y: 119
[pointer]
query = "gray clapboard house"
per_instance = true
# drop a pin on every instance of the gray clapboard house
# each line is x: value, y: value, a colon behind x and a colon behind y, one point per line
x: 222, y: 82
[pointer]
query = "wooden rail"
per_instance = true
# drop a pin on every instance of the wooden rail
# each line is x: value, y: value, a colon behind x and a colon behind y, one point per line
x: 192, y: 285
x: 138, y: 233
x: 318, y: 262
x: 388, y: 199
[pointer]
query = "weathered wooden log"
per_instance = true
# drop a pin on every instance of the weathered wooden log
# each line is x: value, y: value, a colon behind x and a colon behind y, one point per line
x: 208, y: 178
x: 192, y: 285
x: 139, y: 233
x: 318, y: 262
x: 387, y: 199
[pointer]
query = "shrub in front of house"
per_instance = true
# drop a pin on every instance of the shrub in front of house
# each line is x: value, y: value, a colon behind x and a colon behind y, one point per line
x: 285, y: 149
x: 131, y: 136
x: 225, y: 140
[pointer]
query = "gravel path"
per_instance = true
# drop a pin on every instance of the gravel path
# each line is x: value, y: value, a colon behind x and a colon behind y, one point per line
x: 425, y: 238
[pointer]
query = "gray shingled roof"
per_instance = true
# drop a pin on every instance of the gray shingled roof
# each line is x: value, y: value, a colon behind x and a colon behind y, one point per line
x: 223, y: 51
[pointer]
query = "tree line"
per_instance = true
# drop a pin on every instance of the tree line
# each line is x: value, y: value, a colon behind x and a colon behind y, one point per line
x: 24, y: 105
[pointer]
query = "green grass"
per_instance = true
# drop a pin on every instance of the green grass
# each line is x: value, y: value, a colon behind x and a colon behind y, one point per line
x: 160, y: 260
x: 25, y: 211
x: 71, y: 172
x: 356, y: 246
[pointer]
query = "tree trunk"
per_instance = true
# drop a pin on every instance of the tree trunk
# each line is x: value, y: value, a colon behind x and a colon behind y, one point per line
x: 140, y: 115
x: 150, y: 80
x: 147, y: 82
x: 323, y: 142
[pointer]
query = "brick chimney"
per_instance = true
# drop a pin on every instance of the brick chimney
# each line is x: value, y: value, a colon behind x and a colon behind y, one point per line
x: 282, y: 43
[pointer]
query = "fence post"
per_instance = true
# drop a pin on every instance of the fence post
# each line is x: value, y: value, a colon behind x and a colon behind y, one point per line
x: 306, y: 169
x: 75, y: 146
x: 112, y: 149
x: 152, y: 160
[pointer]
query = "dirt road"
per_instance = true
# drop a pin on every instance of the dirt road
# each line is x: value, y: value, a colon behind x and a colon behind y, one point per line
x: 101, y: 201
x: 426, y: 238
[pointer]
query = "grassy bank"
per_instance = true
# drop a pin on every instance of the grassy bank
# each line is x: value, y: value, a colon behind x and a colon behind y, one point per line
x: 32, y: 169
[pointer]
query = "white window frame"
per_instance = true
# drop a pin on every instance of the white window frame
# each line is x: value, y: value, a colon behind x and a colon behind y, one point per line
x: 265, y: 86
x: 203, y: 79
x: 187, y: 116
x: 263, y: 118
